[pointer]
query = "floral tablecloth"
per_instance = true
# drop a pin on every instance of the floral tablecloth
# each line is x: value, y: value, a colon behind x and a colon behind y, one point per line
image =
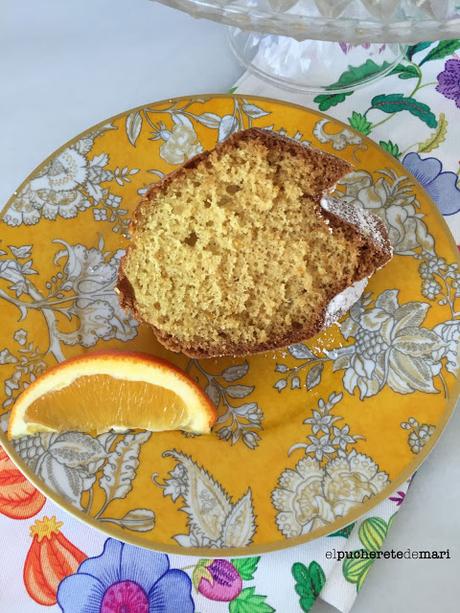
x: 49, y: 559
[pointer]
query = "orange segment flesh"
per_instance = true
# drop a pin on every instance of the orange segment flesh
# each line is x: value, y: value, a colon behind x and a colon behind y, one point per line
x: 138, y: 404
x: 100, y: 392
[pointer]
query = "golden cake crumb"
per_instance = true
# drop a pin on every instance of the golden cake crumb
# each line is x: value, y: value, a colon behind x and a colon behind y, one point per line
x: 233, y: 253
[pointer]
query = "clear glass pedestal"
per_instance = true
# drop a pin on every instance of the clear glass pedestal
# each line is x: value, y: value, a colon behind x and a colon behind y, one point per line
x: 313, y: 66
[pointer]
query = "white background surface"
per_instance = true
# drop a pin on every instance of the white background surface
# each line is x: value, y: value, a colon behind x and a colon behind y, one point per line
x: 68, y: 64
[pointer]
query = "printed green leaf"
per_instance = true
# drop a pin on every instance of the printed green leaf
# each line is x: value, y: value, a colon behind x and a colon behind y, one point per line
x: 436, y: 138
x: 309, y: 583
x: 306, y: 601
x: 408, y: 71
x: 201, y: 572
x: 390, y: 521
x: 413, y: 49
x: 317, y: 577
x: 300, y: 572
x: 345, y: 532
x: 355, y: 570
x: 372, y: 533
x: 391, y: 148
x: 325, y: 101
x: 442, y: 49
x: 303, y: 586
x: 246, y: 567
x: 355, y: 74
x: 248, y: 602
x: 394, y: 103
x: 360, y: 123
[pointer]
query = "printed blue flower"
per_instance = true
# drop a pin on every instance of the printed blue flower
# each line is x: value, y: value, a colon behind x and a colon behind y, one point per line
x: 442, y: 186
x: 126, y: 579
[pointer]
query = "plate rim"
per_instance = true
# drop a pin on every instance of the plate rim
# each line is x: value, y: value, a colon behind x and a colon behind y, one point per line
x: 283, y: 543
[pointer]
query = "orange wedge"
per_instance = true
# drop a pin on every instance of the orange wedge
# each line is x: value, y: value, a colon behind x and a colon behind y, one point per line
x: 112, y: 391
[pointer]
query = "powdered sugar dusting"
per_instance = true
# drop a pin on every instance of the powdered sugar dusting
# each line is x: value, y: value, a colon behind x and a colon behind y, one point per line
x: 370, y: 226
x: 341, y: 303
x: 367, y: 223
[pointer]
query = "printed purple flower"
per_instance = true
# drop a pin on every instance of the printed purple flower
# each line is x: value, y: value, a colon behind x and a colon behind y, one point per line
x: 126, y: 579
x: 442, y: 186
x: 449, y: 81
x: 398, y: 498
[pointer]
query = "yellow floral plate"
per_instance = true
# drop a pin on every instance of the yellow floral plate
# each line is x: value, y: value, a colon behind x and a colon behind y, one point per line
x: 308, y: 438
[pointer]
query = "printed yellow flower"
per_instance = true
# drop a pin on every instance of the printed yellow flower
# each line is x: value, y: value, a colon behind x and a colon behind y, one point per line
x: 351, y: 480
x: 311, y: 496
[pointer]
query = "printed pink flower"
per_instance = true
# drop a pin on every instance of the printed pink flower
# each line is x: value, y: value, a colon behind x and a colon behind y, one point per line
x: 217, y: 580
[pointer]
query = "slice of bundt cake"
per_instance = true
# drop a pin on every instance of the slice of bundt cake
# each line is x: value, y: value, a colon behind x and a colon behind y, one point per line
x: 240, y: 250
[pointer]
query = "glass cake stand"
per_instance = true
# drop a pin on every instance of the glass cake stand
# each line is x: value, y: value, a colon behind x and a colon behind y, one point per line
x: 326, y: 45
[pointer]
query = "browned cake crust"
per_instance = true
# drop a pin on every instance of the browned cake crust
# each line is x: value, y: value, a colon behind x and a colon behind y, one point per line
x: 364, y: 231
